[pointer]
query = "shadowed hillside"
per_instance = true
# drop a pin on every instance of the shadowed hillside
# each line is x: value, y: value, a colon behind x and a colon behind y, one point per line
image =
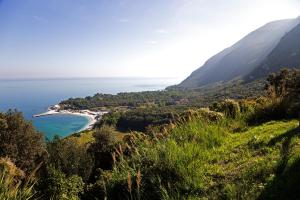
x: 286, y: 53
x: 243, y: 57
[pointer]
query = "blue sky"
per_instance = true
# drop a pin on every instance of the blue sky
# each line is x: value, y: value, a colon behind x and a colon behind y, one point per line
x: 106, y: 38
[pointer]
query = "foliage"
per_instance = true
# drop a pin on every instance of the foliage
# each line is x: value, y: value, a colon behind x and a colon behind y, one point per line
x: 285, y: 86
x: 229, y: 107
x: 172, y: 96
x: 59, y: 186
x: 20, y: 141
x: 70, y: 157
x: 231, y: 150
x: 200, y: 159
x: 283, y: 97
x: 109, y: 119
x: 153, y: 120
x: 102, y: 148
x: 140, y: 119
x: 132, y: 99
x: 193, y: 158
x: 13, y: 186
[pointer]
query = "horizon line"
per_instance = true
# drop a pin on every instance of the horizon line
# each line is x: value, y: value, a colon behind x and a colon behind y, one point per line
x: 77, y: 78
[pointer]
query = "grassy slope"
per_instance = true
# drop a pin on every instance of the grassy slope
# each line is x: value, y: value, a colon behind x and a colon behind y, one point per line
x: 248, y: 163
x: 227, y: 160
x: 202, y: 160
x: 86, y: 137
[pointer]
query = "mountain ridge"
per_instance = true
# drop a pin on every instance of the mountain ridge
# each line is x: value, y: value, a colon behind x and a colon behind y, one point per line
x: 285, y: 55
x: 243, y: 57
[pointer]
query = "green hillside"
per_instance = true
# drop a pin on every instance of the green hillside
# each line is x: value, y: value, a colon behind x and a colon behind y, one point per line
x: 233, y: 149
x: 201, y: 161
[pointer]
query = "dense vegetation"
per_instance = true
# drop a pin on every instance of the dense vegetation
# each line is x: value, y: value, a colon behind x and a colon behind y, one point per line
x: 235, y: 149
x: 20, y: 141
x: 141, y: 119
x: 171, y: 97
x: 134, y: 99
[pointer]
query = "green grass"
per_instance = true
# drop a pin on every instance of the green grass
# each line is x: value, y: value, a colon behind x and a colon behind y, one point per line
x: 86, y: 137
x: 12, y: 186
x: 203, y: 160
x: 248, y: 161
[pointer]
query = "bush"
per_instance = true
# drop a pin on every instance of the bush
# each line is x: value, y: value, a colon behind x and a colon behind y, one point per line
x: 247, y: 106
x: 211, y: 116
x: 140, y: 119
x: 271, y: 110
x: 56, y: 185
x: 103, y: 147
x: 20, y: 141
x: 229, y: 107
x: 95, y: 191
x: 69, y: 157
x: 109, y: 119
x: 284, y: 89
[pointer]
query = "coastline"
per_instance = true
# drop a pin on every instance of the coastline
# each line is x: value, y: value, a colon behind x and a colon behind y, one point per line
x: 92, y: 116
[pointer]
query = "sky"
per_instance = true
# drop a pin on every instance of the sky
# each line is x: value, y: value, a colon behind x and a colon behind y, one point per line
x: 124, y: 38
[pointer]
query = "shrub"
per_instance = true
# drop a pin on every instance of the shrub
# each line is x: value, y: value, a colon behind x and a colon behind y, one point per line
x: 247, y: 106
x: 211, y: 116
x: 284, y: 87
x: 95, y: 191
x: 69, y: 157
x: 229, y: 107
x: 56, y: 185
x: 103, y: 147
x: 20, y: 141
x: 109, y: 119
x: 140, y: 119
x: 271, y: 110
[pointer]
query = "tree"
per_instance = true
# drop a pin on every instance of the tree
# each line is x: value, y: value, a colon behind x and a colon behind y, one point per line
x: 20, y: 141
x: 56, y: 185
x: 102, y: 148
x: 70, y: 157
x: 285, y: 86
x: 277, y: 84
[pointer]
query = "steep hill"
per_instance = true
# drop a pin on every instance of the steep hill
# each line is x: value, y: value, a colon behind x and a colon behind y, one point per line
x: 243, y: 57
x: 285, y: 54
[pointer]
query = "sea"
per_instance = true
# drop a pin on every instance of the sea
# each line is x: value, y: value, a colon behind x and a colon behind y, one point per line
x: 34, y: 96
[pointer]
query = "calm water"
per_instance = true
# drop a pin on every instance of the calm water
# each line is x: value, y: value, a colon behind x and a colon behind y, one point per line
x: 34, y: 96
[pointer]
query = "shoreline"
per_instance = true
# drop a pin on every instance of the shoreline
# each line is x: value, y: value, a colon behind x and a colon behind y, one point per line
x: 92, y: 116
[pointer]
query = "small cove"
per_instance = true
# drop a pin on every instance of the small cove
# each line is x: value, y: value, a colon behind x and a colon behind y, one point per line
x: 35, y: 96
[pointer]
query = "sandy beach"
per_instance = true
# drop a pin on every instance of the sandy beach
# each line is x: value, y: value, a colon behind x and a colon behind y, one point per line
x: 92, y: 116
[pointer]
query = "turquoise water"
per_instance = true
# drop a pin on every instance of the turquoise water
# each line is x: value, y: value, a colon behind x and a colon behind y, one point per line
x: 34, y: 96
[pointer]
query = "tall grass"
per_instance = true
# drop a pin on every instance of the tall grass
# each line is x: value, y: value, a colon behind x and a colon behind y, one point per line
x: 197, y: 157
x: 12, y: 186
x: 174, y: 164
